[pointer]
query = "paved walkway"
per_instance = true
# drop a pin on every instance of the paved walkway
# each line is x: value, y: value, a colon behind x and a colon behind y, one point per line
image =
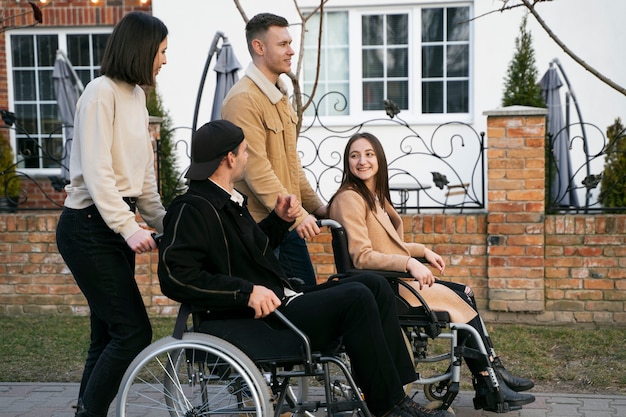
x: 56, y: 399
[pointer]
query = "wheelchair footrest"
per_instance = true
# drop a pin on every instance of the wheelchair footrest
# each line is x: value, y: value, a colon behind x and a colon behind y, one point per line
x: 493, y: 402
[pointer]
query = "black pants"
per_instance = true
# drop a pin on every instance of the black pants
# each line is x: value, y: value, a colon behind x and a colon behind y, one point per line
x: 362, y: 311
x: 476, y: 366
x: 104, y: 268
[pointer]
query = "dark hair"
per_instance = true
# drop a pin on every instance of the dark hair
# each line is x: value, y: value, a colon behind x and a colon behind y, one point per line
x: 350, y: 182
x: 130, y: 51
x: 260, y: 24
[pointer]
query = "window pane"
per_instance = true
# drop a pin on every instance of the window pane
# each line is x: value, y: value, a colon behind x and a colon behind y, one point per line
x: 398, y: 62
x: 24, y: 85
x: 372, y: 30
x: 53, y: 152
x: 50, y: 119
x: 398, y: 91
x: 99, y: 42
x: 332, y: 90
x: 432, y: 94
x: 46, y: 86
x: 373, y: 95
x: 337, y: 62
x: 458, y: 100
x: 432, y: 25
x: 458, y: 24
x: 373, y: 64
x: 458, y: 60
x: 432, y: 61
x: 47, y: 46
x: 27, y: 117
x: 84, y: 75
x: 28, y: 150
x: 398, y: 29
x: 78, y: 50
x: 22, y: 51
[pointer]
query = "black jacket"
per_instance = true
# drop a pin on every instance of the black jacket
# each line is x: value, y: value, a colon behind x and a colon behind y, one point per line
x: 213, y: 252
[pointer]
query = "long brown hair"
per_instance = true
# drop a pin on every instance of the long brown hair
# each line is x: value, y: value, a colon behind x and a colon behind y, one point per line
x: 351, y: 182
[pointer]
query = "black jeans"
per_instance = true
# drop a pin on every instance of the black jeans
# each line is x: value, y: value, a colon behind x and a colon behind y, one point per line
x: 362, y: 311
x: 104, y: 268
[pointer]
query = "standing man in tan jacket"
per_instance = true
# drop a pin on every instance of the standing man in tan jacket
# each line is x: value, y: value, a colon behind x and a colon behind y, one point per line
x: 258, y: 103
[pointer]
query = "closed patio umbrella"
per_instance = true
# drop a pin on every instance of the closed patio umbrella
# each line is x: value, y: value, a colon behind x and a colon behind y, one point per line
x: 67, y: 88
x: 226, y: 68
x: 563, y: 187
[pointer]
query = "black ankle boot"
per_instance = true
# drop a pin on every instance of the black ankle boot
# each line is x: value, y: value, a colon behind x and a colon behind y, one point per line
x: 514, y: 382
x: 503, y: 401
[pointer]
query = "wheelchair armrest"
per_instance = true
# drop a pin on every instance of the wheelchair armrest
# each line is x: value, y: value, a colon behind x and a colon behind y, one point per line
x: 186, y: 309
x: 398, y: 278
x: 305, y: 339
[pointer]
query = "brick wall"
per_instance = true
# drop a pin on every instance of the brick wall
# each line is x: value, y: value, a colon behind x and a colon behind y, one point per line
x: 524, y: 266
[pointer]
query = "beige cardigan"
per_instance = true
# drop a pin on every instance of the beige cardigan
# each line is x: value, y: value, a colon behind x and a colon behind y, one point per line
x: 375, y: 242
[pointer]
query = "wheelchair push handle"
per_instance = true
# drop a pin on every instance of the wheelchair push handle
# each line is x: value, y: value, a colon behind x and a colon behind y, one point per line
x: 328, y: 223
x: 157, y: 237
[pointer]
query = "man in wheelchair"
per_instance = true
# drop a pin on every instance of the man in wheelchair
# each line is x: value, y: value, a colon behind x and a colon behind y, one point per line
x: 215, y: 256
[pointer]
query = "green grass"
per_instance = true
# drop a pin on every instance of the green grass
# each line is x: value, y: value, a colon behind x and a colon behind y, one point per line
x: 561, y: 359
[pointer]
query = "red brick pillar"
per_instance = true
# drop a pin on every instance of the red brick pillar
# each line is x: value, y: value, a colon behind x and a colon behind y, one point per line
x: 516, y: 209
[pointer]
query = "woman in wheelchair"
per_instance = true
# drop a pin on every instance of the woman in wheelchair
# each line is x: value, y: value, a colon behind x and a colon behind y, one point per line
x: 215, y: 256
x: 374, y: 230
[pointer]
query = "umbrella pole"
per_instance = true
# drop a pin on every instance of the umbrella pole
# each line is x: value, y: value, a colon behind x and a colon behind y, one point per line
x: 212, y: 51
x: 582, y: 128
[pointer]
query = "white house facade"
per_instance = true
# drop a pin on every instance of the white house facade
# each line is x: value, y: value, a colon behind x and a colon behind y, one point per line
x: 440, y: 61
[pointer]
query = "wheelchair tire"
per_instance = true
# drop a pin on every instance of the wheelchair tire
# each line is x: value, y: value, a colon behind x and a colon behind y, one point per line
x: 197, y: 375
x: 436, y: 392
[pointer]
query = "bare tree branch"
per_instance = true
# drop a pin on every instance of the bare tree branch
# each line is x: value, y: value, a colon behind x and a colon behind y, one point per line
x: 241, y: 11
x: 569, y: 52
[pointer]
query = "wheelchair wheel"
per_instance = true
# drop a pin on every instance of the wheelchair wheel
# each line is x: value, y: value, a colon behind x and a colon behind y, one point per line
x: 199, y: 375
x: 436, y: 392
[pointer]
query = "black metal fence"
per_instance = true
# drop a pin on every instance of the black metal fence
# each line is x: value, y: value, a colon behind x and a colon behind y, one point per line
x: 588, y: 174
x: 441, y: 170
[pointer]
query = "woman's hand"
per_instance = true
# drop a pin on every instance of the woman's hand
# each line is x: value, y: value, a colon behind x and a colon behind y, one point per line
x: 141, y: 241
x: 435, y: 260
x: 420, y: 272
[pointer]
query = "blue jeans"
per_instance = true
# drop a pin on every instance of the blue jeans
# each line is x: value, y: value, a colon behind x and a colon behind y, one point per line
x: 294, y: 257
x: 104, y: 268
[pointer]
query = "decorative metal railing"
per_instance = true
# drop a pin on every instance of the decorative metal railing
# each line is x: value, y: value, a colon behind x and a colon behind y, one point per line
x: 437, y: 170
x: 444, y: 171
x: 589, y: 173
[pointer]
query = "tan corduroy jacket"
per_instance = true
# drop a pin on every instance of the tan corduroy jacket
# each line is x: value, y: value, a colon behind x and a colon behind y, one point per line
x: 375, y: 242
x: 269, y: 122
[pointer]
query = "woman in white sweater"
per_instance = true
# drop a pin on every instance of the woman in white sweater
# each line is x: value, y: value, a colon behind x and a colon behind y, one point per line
x: 111, y: 176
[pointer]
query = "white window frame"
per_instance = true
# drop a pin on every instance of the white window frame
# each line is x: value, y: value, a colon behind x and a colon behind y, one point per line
x: 62, y: 34
x: 414, y: 114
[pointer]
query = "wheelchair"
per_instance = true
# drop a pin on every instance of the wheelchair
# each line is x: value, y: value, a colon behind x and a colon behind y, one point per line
x: 420, y: 325
x: 225, y: 366
x: 220, y: 365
